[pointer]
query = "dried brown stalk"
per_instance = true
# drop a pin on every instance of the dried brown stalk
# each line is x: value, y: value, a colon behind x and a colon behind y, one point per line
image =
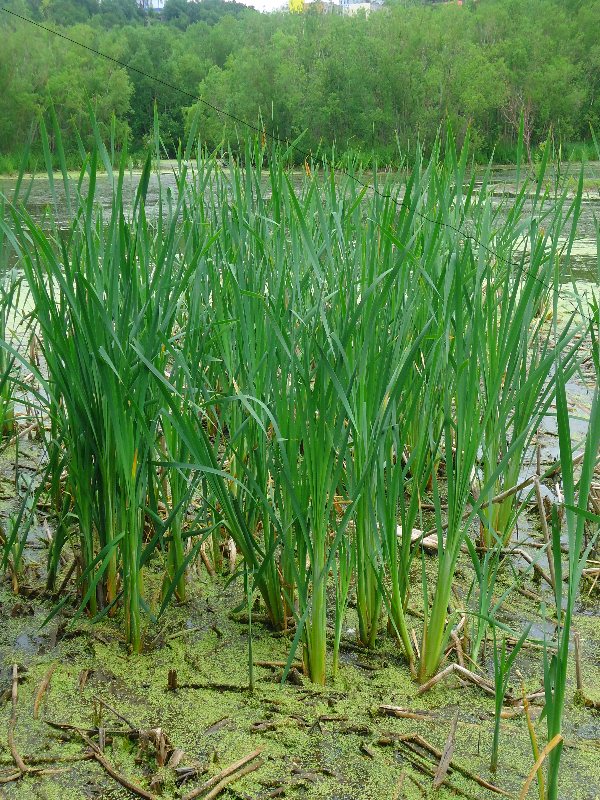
x: 545, y: 532
x: 20, y: 764
x: 406, y: 713
x: 462, y: 672
x: 446, y: 759
x: 43, y: 688
x: 578, y: 675
x: 536, y: 767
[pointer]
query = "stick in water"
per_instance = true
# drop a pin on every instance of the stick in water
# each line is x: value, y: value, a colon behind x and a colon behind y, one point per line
x: 218, y: 779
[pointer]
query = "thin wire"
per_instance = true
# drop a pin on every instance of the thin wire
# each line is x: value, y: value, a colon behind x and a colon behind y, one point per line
x: 304, y: 153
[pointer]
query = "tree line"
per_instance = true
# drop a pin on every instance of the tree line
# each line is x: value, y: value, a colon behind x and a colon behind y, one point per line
x: 371, y: 85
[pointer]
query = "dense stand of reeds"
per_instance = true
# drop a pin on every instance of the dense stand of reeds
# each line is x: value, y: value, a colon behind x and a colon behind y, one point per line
x: 303, y: 367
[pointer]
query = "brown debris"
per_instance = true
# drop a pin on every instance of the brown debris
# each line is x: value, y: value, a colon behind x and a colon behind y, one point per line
x: 231, y: 773
x: 176, y: 758
x: 295, y: 678
x: 416, y: 744
x: 263, y: 725
x: 84, y: 676
x: 118, y: 777
x: 172, y: 680
x: 406, y: 713
x: 12, y: 723
x: 220, y: 723
x: 462, y: 672
x: 446, y: 758
x: 22, y: 767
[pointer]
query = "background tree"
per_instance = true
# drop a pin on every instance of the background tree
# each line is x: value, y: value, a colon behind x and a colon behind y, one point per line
x: 366, y: 84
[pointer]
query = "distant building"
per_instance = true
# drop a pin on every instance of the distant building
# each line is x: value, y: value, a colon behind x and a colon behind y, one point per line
x: 346, y: 7
x: 356, y: 8
x: 152, y: 5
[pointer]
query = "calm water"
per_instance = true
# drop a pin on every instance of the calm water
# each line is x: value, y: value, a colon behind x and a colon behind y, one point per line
x: 585, y: 264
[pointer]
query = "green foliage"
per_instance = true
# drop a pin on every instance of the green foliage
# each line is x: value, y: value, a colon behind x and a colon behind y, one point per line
x: 368, y: 85
x: 576, y: 494
x: 290, y: 364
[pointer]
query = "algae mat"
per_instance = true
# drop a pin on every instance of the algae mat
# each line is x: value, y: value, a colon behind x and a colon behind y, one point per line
x: 316, y: 743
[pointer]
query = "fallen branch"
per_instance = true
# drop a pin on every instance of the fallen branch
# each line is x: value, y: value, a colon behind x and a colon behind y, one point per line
x: 125, y: 782
x: 499, y: 498
x: 420, y: 762
x: 65, y: 726
x: 417, y: 739
x: 557, y: 467
x: 14, y: 776
x: 117, y: 714
x: 213, y: 687
x: 536, y: 567
x: 516, y: 701
x: 23, y: 768
x: 38, y: 760
x: 20, y: 433
x: 406, y: 713
x: 12, y: 723
x: 235, y: 777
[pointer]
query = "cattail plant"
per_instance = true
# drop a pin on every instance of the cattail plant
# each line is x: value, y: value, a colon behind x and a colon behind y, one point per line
x: 518, y: 349
x: 9, y: 299
x: 576, y: 496
x: 105, y: 299
x: 299, y: 367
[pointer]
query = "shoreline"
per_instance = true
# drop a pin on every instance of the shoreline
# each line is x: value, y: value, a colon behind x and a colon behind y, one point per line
x: 167, y: 166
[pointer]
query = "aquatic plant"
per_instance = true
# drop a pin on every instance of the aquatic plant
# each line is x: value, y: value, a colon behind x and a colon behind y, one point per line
x: 9, y: 299
x: 296, y: 370
x: 105, y: 298
x: 518, y: 348
x: 576, y: 496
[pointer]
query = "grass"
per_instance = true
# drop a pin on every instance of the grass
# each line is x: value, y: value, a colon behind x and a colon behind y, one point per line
x: 576, y: 515
x: 302, y: 373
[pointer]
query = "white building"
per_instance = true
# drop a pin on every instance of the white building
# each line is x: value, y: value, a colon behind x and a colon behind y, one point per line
x: 353, y: 7
x: 152, y: 5
x: 346, y: 7
x: 356, y: 8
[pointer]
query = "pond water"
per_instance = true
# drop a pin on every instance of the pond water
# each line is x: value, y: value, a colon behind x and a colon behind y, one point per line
x: 584, y: 268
